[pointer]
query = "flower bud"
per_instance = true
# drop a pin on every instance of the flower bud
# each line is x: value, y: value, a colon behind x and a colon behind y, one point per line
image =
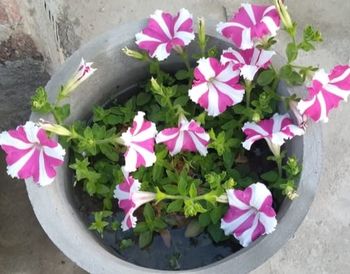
x: 135, y: 54
x: 290, y: 193
x: 83, y: 72
x: 54, y: 128
x: 285, y: 17
x: 201, y: 32
x: 230, y: 183
x: 156, y: 88
x: 256, y: 117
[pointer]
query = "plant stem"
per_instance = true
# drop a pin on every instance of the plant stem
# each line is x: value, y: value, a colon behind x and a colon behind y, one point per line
x: 107, y: 140
x: 53, y: 111
x: 206, y: 196
x: 298, y: 67
x: 279, y: 165
x: 248, y: 90
x: 184, y: 56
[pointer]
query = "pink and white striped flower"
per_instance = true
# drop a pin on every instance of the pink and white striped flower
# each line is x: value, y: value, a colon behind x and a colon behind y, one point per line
x: 248, y: 61
x: 30, y: 153
x: 250, y: 214
x: 325, y: 93
x: 274, y: 130
x: 188, y: 136
x: 131, y: 198
x: 216, y: 86
x: 83, y: 72
x: 139, y: 139
x: 250, y: 24
x: 165, y: 32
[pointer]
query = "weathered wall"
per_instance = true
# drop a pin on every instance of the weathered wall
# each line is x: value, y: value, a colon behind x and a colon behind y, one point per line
x: 59, y: 27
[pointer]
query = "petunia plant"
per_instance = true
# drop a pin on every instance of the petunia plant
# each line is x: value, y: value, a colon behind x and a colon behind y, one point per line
x: 202, y: 147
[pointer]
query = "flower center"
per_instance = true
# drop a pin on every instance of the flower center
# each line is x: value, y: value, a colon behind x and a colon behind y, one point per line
x: 256, y: 211
x: 37, y: 145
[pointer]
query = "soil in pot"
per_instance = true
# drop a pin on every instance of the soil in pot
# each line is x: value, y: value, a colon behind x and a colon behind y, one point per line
x: 172, y: 250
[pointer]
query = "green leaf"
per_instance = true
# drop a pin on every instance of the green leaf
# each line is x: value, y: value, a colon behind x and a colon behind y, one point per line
x: 171, y: 189
x: 228, y: 158
x: 126, y: 243
x: 159, y: 224
x: 102, y: 189
x: 143, y: 98
x: 306, y: 46
x: 81, y: 168
x: 115, y: 225
x: 266, y: 77
x: 182, y: 74
x: 292, y: 52
x: 218, y: 142
x: 216, y: 233
x: 204, y: 219
x: 40, y: 101
x: 216, y: 214
x: 157, y: 172
x: 109, y: 151
x: 91, y: 187
x: 291, y: 77
x: 182, y: 185
x: 148, y: 213
x: 99, y: 224
x: 310, y: 34
x: 175, y: 206
x: 141, y: 227
x: 214, y: 179
x: 193, y: 190
x: 98, y: 113
x: 270, y: 176
x: 107, y: 203
x: 293, y: 168
x: 145, y: 238
x: 192, y: 208
x: 62, y: 112
x: 182, y: 100
x: 296, y: 79
x: 113, y: 119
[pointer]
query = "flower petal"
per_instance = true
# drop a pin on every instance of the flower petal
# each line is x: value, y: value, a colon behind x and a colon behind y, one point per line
x: 325, y: 93
x: 250, y: 213
x: 189, y: 136
x: 30, y: 153
x: 139, y: 139
x: 165, y: 31
x: 274, y: 130
x: 215, y: 86
x: 249, y: 24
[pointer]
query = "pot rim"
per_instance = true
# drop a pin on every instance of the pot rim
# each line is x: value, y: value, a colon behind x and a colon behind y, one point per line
x: 76, y: 242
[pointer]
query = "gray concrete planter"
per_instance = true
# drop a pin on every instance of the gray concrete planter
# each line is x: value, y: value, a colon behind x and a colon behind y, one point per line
x: 54, y: 207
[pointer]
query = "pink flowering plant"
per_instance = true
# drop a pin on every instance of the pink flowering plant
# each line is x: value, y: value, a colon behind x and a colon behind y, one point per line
x: 202, y: 147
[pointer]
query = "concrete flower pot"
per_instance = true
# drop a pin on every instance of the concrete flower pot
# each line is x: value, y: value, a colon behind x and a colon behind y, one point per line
x: 54, y: 207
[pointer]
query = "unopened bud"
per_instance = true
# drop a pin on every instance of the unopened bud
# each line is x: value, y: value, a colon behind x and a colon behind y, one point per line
x: 54, y: 128
x: 156, y: 88
x: 285, y: 17
x: 201, y: 32
x: 134, y: 54
x: 291, y: 193
x: 256, y: 117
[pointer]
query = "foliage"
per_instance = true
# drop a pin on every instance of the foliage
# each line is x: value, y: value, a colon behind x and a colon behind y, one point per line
x: 189, y: 183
